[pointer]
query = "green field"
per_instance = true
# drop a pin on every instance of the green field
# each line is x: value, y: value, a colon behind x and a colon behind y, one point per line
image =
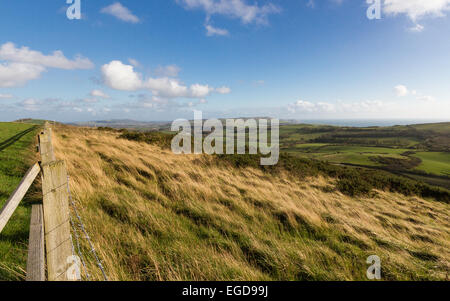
x: 436, y: 163
x: 16, y: 156
x: 422, y: 149
x: 344, y: 154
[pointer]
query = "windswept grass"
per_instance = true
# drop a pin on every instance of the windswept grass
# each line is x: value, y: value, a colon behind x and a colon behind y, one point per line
x: 153, y: 215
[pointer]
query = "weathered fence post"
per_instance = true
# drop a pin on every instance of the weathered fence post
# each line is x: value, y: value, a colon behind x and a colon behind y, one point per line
x: 58, y: 240
x: 46, y: 146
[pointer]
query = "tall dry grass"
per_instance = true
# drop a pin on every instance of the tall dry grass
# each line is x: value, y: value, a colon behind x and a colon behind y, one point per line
x: 153, y: 215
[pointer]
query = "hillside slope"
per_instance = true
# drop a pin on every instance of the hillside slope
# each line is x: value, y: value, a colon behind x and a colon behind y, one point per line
x: 153, y: 215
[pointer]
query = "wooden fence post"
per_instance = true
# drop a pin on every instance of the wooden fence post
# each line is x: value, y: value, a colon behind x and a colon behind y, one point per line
x: 56, y: 218
x: 58, y: 240
x: 36, y: 249
x: 45, y: 145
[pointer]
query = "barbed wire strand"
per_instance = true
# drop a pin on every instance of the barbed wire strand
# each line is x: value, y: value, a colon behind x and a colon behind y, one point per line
x: 78, y: 249
x: 81, y: 225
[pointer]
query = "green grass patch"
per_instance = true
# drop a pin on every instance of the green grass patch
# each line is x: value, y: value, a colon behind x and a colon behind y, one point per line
x: 16, y: 153
x: 434, y: 162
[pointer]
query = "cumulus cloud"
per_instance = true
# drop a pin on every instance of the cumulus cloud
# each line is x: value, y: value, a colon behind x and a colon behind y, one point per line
x: 23, y: 64
x: 17, y: 74
x: 166, y: 87
x: 200, y: 91
x: 214, y: 31
x: 99, y: 93
x: 122, y: 77
x: 120, y: 12
x: 401, y: 90
x: 119, y: 76
x: 24, y: 55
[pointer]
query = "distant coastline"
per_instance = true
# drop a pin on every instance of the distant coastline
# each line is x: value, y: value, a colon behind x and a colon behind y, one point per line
x: 370, y: 122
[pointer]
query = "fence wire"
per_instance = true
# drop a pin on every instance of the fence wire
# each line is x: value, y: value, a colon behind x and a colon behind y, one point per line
x: 86, y: 235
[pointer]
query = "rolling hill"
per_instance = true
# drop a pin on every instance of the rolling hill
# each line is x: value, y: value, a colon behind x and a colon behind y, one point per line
x: 153, y: 215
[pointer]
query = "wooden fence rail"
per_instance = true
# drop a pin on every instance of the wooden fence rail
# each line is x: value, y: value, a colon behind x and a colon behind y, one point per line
x: 17, y: 196
x: 36, y: 248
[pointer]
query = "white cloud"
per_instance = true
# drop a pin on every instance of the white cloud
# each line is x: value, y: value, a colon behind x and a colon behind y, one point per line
x: 214, y: 31
x: 426, y: 98
x: 134, y: 62
x: 24, y: 55
x: 417, y: 28
x: 23, y: 64
x: 6, y: 96
x: 99, y: 93
x: 90, y: 100
x: 168, y: 71
x: 238, y: 9
x: 223, y: 90
x: 303, y: 106
x: 121, y: 12
x: 200, y: 91
x: 17, y: 74
x: 247, y: 13
x: 368, y: 106
x: 166, y: 87
x: 306, y: 106
x: 31, y: 104
x: 122, y: 77
x: 401, y: 90
x: 416, y: 9
x: 119, y: 76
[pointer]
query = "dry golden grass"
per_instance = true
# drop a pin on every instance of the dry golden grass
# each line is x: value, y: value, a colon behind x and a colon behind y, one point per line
x: 153, y: 215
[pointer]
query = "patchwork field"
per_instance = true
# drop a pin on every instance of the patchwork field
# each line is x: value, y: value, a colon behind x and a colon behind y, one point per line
x: 422, y: 150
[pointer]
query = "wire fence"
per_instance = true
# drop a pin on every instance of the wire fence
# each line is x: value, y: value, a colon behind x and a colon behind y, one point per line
x: 86, y: 236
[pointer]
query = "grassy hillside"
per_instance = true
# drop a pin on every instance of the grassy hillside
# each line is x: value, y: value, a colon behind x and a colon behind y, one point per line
x: 153, y: 215
x: 16, y: 157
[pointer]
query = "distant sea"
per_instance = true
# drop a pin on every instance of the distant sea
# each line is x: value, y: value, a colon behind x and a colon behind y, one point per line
x: 370, y: 122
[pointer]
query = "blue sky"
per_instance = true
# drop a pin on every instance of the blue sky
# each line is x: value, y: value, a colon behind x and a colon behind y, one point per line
x: 161, y: 59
